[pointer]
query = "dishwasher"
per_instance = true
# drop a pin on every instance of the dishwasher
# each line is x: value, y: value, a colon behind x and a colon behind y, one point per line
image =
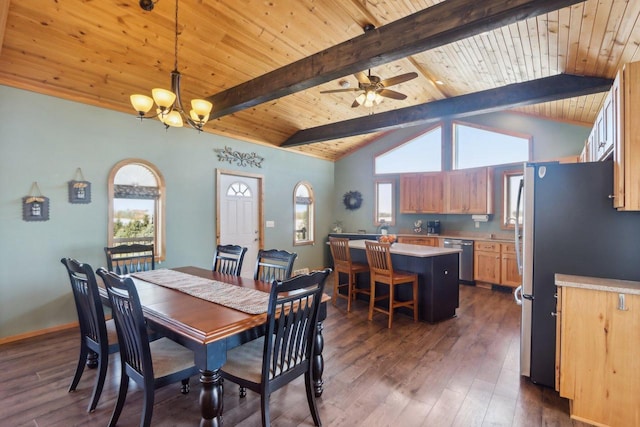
x: 466, y: 258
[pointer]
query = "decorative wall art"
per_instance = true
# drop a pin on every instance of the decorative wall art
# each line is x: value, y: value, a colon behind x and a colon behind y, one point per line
x: 79, y: 189
x: 35, y: 207
x: 352, y: 200
x: 242, y: 159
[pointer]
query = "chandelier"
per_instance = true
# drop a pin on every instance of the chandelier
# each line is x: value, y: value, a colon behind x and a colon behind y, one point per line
x: 169, y: 104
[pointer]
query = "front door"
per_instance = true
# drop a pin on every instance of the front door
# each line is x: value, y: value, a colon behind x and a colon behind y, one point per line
x: 238, y: 220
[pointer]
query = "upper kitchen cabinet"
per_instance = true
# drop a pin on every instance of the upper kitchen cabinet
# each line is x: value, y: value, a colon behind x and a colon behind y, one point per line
x: 421, y: 193
x: 469, y: 191
x: 625, y: 94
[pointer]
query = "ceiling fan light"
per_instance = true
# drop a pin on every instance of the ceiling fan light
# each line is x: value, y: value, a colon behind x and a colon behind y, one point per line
x: 361, y: 98
x: 173, y: 119
x: 371, y: 95
x: 164, y: 98
x: 368, y: 103
x: 141, y: 103
x: 378, y: 99
x: 202, y: 107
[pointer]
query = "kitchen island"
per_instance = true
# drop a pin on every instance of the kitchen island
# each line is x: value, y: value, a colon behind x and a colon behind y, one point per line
x: 437, y: 269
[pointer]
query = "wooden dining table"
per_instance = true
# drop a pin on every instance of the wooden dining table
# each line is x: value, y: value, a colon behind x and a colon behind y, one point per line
x: 210, y: 329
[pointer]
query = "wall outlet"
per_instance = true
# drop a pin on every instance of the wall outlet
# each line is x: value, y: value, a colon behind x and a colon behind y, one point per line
x: 271, y: 224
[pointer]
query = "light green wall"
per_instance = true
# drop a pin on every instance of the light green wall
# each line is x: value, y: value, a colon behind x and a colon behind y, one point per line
x: 45, y: 139
x: 551, y: 140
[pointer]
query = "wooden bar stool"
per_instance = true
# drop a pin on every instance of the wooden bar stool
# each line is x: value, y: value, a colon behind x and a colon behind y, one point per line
x: 379, y: 258
x: 342, y: 264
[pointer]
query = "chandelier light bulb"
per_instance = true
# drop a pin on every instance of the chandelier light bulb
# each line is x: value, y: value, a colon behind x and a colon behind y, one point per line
x: 201, y: 107
x: 141, y: 103
x: 164, y: 98
x: 173, y: 119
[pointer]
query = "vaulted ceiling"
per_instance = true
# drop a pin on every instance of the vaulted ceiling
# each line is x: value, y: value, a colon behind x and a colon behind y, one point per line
x: 264, y: 64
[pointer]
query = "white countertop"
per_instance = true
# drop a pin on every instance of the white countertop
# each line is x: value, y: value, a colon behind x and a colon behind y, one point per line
x: 598, y: 284
x: 420, y: 251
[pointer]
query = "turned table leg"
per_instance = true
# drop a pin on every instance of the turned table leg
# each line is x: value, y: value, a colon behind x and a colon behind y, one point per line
x: 318, y: 362
x: 211, y: 403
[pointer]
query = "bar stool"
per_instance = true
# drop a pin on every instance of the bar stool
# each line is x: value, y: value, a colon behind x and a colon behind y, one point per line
x: 342, y: 264
x: 379, y: 257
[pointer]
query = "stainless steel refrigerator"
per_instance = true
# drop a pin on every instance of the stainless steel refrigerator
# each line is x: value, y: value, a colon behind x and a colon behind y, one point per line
x: 569, y: 227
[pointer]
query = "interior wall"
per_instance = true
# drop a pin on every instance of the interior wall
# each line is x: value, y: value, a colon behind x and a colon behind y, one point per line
x: 551, y: 140
x: 46, y: 139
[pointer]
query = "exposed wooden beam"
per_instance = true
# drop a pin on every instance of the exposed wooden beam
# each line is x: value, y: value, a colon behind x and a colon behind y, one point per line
x: 546, y: 89
x: 441, y: 24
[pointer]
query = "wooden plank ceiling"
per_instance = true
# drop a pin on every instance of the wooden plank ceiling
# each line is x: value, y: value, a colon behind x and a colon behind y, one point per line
x: 99, y: 52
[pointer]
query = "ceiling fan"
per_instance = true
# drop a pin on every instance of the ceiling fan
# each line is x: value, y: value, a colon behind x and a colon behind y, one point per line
x: 374, y: 89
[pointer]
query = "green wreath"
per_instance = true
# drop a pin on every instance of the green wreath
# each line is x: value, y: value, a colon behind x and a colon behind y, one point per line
x: 352, y: 200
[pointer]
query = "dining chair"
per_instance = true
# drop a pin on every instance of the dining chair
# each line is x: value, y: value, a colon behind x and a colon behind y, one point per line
x: 265, y: 365
x: 126, y: 259
x: 381, y: 267
x: 274, y: 264
x: 151, y: 365
x: 227, y: 259
x: 342, y: 264
x: 98, y: 338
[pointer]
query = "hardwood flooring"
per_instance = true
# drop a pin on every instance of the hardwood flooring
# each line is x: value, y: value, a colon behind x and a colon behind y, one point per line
x: 460, y: 372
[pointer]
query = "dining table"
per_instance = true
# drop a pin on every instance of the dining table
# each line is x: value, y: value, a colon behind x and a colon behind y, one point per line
x: 210, y: 328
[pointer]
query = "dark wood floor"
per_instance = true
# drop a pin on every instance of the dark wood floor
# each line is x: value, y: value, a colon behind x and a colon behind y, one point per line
x: 460, y: 372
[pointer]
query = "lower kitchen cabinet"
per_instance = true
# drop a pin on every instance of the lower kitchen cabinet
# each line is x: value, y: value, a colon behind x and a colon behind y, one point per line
x: 597, y: 353
x: 486, y: 262
x: 496, y: 263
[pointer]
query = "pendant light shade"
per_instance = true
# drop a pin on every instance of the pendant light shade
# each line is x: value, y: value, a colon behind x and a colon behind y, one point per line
x: 164, y: 98
x: 141, y: 103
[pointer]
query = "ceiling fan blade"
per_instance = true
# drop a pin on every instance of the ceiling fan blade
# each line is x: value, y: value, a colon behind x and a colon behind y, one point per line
x: 387, y: 93
x: 362, y: 78
x: 398, y: 79
x: 355, y: 103
x: 351, y: 89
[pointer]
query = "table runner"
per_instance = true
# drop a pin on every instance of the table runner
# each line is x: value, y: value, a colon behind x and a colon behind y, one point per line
x: 250, y: 301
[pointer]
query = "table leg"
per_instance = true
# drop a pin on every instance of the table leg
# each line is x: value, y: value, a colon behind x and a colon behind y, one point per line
x: 211, y: 403
x: 318, y: 362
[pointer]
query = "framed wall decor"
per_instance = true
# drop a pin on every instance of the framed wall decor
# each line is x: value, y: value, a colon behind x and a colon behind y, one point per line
x: 79, y: 189
x: 35, y: 207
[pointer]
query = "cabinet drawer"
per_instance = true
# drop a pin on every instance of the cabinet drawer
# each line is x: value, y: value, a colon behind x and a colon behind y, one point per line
x: 508, y: 248
x: 486, y: 246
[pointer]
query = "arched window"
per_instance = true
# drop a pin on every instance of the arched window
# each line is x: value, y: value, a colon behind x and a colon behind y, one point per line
x: 136, y: 205
x: 303, y: 214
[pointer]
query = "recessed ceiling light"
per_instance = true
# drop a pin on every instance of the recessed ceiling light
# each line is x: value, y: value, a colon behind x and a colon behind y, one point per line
x: 439, y: 82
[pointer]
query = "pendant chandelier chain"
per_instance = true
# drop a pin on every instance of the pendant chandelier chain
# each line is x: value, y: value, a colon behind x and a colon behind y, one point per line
x: 175, y: 64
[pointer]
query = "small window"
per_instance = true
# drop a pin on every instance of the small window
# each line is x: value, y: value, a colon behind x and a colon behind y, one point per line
x: 136, y: 205
x: 385, y: 213
x: 474, y: 147
x: 303, y: 220
x: 510, y: 188
x: 420, y: 154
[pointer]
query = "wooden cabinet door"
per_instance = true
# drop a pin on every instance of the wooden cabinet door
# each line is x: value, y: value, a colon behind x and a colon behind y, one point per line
x: 486, y: 262
x: 477, y: 180
x: 509, y: 274
x: 599, y: 361
x: 431, y: 192
x: 457, y: 192
x: 410, y: 193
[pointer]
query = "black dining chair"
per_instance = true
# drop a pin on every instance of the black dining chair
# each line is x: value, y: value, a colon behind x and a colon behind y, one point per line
x: 228, y: 259
x: 265, y: 365
x: 98, y: 338
x: 150, y: 364
x: 274, y: 264
x: 127, y: 259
